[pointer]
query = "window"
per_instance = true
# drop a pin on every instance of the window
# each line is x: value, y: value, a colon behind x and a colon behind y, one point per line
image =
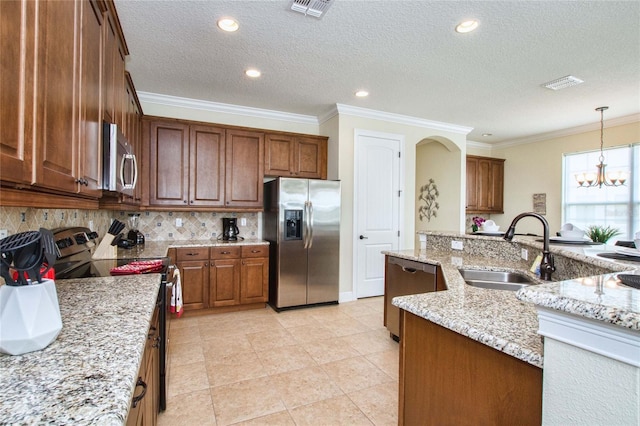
x: 618, y: 207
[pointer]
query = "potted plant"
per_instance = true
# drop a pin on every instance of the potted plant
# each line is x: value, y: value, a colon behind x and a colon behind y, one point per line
x: 601, y: 234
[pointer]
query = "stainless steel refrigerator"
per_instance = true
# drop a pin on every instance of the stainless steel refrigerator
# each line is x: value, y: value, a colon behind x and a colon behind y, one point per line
x: 301, y: 221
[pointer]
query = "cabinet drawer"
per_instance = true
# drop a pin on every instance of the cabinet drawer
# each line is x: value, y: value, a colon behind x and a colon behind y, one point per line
x: 194, y: 253
x: 255, y: 251
x: 225, y: 252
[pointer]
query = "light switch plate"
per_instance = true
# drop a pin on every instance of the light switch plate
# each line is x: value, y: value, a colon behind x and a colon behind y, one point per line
x: 457, y: 245
x: 3, y: 233
x: 178, y: 222
x: 243, y: 221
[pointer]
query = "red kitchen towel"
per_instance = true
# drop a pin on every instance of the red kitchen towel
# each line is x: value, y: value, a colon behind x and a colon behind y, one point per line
x: 137, y: 267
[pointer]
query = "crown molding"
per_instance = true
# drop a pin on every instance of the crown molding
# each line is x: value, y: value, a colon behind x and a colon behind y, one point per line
x: 479, y: 145
x: 175, y: 101
x: 633, y: 118
x: 394, y: 118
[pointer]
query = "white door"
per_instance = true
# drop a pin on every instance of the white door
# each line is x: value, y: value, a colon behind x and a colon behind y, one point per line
x: 377, y: 207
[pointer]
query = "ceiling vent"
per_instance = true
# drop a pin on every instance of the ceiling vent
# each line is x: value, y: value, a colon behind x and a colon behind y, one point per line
x: 562, y: 83
x: 316, y: 8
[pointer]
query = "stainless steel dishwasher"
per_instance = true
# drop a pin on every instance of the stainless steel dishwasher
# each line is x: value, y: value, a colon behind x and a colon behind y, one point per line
x: 404, y: 277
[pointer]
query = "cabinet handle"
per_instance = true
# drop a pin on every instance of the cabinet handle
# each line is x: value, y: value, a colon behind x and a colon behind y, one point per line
x: 192, y: 254
x: 225, y: 252
x: 206, y: 264
x: 156, y: 342
x: 184, y: 201
x: 409, y: 270
x: 138, y: 398
x: 255, y: 251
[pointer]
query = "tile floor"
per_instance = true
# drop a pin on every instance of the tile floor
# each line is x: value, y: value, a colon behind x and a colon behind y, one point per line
x: 329, y: 365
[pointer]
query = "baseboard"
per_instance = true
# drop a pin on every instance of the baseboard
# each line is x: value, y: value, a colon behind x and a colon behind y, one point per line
x: 346, y: 296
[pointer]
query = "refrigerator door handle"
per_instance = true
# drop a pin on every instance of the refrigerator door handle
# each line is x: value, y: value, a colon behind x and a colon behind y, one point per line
x: 310, y: 224
x: 305, y: 230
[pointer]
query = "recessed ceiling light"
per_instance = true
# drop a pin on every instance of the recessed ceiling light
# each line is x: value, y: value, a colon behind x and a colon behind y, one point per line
x: 253, y: 73
x: 467, y: 26
x: 362, y: 93
x: 486, y: 135
x: 228, y: 24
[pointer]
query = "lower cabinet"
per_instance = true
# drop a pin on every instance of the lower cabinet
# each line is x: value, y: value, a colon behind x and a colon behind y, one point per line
x: 223, y: 277
x: 449, y: 379
x: 144, y: 405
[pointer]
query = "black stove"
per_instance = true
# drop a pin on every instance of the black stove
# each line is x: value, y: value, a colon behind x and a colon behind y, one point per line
x: 74, y: 261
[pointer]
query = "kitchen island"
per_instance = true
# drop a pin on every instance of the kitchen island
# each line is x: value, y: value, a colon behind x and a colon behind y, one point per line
x: 495, y: 319
x: 88, y: 374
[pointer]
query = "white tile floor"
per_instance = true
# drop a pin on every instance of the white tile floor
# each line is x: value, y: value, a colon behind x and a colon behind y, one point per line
x: 329, y: 365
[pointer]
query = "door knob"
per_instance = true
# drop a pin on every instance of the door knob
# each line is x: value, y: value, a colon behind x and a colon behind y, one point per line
x: 362, y: 237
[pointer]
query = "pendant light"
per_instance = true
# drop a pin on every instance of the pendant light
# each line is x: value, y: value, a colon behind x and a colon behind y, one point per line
x: 600, y: 178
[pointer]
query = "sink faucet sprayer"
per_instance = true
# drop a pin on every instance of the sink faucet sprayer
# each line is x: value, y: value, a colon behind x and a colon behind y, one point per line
x: 546, y: 266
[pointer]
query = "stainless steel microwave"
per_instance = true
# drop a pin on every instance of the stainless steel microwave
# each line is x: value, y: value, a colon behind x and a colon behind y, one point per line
x: 119, y: 165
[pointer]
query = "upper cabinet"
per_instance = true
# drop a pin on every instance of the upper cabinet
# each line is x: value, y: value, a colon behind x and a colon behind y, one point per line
x: 17, y: 44
x: 244, y: 169
x: 485, y: 185
x: 193, y: 165
x: 295, y: 156
x: 55, y: 95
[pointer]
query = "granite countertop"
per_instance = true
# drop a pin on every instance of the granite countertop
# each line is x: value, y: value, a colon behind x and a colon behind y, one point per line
x: 87, y: 375
x: 159, y: 248
x: 505, y: 320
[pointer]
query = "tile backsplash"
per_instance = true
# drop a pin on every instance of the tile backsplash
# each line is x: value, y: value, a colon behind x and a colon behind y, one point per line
x: 156, y: 226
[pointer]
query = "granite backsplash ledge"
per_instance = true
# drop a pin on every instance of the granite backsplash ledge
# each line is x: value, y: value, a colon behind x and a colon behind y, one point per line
x: 156, y: 226
x: 568, y: 265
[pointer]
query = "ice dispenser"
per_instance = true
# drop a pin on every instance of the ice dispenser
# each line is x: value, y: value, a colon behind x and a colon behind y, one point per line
x: 293, y: 224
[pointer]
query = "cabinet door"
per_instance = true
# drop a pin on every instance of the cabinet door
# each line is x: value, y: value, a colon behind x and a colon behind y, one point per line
x: 194, y: 279
x: 207, y: 166
x: 310, y: 160
x: 278, y: 155
x: 90, y: 103
x: 57, y: 106
x: 224, y: 284
x: 472, y: 184
x: 254, y: 281
x: 113, y: 72
x: 484, y: 184
x: 17, y: 44
x: 169, y: 164
x: 497, y: 187
x: 244, y: 168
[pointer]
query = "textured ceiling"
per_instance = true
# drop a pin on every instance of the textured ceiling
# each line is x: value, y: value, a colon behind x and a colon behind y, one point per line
x: 405, y: 53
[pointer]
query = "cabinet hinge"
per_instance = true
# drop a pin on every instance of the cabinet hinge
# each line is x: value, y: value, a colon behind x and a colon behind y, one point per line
x: 398, y: 233
x: 399, y: 192
x: 399, y: 154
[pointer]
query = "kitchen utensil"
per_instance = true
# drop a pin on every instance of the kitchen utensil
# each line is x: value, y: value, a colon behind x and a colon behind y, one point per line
x: 630, y: 279
x: 22, y: 252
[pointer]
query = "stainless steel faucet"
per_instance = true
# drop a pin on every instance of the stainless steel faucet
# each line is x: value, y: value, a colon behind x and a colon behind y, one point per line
x: 546, y: 266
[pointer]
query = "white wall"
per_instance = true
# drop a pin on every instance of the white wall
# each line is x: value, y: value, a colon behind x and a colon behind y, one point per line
x: 413, y: 135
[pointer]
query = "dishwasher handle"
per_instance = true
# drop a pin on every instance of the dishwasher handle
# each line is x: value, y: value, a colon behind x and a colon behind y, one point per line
x: 411, y: 266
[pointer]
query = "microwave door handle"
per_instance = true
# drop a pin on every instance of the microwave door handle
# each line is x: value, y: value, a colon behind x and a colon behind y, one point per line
x: 134, y: 169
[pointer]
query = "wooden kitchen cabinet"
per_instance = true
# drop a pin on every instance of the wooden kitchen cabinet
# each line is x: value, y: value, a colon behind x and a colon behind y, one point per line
x: 223, y: 278
x: 145, y: 410
x: 187, y: 164
x: 244, y: 168
x: 448, y: 378
x: 295, y: 156
x: 254, y: 276
x: 194, y: 271
x: 197, y: 165
x: 17, y: 43
x: 113, y: 69
x: 54, y: 100
x: 485, y: 185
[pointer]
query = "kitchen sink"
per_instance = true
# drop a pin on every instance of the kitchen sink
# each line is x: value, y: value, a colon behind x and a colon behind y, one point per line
x: 496, y: 280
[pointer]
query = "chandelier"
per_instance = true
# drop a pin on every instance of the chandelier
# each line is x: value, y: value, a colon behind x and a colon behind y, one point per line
x: 599, y: 178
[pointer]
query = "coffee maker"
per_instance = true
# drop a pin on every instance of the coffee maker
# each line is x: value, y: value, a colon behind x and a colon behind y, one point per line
x: 135, y: 236
x: 230, y: 229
